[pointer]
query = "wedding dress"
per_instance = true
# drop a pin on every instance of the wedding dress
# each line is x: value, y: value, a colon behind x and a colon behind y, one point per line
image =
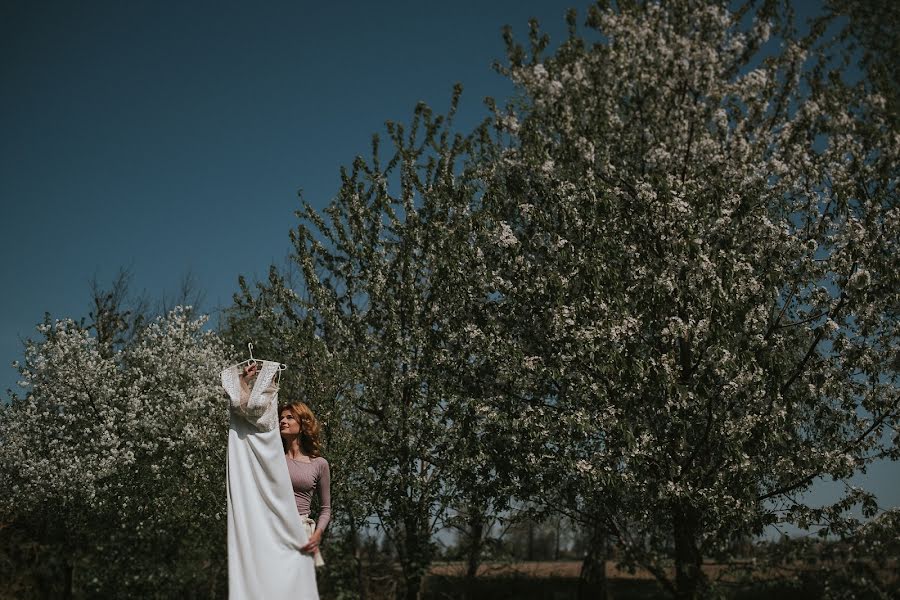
x: 265, y: 532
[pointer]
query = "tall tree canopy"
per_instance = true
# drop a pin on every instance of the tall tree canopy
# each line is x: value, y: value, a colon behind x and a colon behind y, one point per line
x: 376, y: 271
x: 693, y: 277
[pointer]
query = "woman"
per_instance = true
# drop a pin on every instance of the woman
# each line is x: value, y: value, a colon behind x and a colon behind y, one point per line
x: 308, y: 469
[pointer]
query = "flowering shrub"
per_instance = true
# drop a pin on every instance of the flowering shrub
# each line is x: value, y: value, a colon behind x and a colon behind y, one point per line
x: 115, y: 457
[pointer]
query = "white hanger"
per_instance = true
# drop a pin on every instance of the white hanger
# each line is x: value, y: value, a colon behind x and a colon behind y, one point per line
x: 257, y: 361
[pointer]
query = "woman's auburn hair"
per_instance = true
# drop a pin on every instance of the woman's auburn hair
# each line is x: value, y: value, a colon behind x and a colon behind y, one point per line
x: 310, y: 430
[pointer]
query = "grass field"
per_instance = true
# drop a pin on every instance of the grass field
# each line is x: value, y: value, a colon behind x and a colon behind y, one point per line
x: 559, y: 581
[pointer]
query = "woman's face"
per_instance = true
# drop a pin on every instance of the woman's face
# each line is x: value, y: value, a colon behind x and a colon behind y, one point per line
x: 287, y: 424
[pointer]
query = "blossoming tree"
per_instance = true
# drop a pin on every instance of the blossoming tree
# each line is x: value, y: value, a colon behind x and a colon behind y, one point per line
x: 114, y: 456
x: 375, y: 271
x: 691, y: 248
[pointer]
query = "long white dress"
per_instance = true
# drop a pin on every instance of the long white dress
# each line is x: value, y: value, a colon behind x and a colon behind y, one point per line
x: 265, y: 533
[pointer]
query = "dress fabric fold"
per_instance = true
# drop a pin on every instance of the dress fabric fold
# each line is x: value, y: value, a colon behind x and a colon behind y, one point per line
x: 265, y: 533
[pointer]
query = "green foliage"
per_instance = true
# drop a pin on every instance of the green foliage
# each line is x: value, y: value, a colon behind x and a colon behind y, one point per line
x: 112, y: 460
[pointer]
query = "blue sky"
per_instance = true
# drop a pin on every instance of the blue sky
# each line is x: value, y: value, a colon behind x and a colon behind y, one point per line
x: 172, y: 137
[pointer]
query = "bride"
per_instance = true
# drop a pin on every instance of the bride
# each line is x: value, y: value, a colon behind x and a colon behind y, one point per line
x: 272, y: 551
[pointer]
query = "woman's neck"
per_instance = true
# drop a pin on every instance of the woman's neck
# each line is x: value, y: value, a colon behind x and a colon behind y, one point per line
x: 294, y: 450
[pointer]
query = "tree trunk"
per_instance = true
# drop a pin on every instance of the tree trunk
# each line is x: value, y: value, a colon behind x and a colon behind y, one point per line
x: 414, y: 588
x: 592, y: 579
x: 413, y: 583
x: 357, y: 557
x: 415, y: 559
x: 215, y: 579
x: 530, y: 549
x: 474, y: 547
x: 689, y: 577
x: 558, y: 528
x: 67, y: 580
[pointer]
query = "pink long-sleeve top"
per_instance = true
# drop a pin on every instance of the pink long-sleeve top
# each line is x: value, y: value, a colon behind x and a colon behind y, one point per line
x: 307, y: 477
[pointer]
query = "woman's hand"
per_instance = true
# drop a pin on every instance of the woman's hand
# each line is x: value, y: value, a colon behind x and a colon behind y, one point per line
x: 313, y: 543
x: 249, y: 371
